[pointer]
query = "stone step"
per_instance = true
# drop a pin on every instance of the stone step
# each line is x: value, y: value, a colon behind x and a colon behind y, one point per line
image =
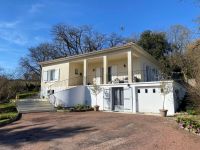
x: 34, y: 105
x: 38, y: 107
x: 36, y: 110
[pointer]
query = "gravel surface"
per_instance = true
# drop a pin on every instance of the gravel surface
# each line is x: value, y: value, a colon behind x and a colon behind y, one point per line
x: 95, y: 131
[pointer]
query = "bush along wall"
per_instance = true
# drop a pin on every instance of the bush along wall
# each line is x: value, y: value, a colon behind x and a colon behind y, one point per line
x: 76, y: 108
x: 190, y: 124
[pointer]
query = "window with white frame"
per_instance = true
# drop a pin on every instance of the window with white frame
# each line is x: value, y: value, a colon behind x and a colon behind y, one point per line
x: 51, y: 75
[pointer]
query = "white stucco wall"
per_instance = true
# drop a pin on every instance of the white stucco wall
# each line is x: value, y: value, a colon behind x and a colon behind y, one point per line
x: 70, y: 97
x: 84, y: 95
x: 169, y: 99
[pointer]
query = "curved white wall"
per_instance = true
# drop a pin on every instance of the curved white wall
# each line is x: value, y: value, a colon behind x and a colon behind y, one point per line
x: 71, y: 97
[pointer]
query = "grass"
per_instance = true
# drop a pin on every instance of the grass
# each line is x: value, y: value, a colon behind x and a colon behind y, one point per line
x: 8, y: 111
x: 4, y: 120
x: 7, y: 105
x: 9, y: 115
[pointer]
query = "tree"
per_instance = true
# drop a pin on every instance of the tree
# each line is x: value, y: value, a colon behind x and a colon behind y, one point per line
x: 96, y: 89
x: 166, y: 88
x: 193, y: 61
x: 68, y: 41
x: 190, y: 66
x: 155, y: 43
x: 179, y: 36
x: 77, y: 40
x: 115, y: 40
x: 30, y: 63
x: 9, y: 85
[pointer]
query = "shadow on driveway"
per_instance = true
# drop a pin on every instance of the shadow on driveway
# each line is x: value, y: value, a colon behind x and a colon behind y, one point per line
x: 31, y: 135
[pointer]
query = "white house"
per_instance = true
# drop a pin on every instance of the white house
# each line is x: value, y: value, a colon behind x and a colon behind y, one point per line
x: 128, y: 75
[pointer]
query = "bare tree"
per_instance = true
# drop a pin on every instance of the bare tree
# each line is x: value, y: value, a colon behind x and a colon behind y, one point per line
x: 115, y: 40
x: 30, y: 63
x: 68, y: 41
x: 77, y: 40
x: 179, y: 36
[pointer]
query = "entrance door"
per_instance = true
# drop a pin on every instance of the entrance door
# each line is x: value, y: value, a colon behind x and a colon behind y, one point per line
x: 118, y: 99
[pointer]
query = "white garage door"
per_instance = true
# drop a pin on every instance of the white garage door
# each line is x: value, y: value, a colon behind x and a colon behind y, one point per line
x: 149, y: 99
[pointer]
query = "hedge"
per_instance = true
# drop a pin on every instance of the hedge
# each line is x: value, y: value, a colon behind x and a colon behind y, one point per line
x: 26, y: 95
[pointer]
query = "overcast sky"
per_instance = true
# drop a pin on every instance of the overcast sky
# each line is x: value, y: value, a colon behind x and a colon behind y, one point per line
x: 25, y: 23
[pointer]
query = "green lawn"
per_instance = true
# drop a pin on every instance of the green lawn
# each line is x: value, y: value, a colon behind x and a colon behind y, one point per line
x: 7, y: 111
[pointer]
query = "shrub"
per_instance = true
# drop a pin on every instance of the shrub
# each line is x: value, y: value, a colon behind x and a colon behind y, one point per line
x: 81, y: 107
x: 191, y: 111
x: 60, y: 107
x: 189, y: 123
x: 76, y: 108
x: 26, y: 95
x: 9, y: 115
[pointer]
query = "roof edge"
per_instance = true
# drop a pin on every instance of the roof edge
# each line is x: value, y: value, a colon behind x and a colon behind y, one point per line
x: 128, y: 45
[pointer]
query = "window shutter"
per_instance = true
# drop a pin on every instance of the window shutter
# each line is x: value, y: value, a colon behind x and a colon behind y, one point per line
x: 48, y: 75
x: 45, y: 78
x: 57, y: 74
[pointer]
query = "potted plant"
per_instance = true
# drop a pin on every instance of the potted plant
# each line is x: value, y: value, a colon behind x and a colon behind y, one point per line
x: 165, y: 89
x: 96, y: 89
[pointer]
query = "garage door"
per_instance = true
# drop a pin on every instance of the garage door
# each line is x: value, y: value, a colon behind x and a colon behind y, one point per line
x: 149, y: 99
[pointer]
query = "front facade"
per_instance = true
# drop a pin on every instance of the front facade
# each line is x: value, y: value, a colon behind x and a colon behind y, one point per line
x: 68, y: 80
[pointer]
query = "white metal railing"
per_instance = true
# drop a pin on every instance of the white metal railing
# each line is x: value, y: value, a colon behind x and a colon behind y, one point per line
x: 118, y: 77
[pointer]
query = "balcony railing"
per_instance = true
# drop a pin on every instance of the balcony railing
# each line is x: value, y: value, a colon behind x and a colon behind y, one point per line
x: 119, y: 77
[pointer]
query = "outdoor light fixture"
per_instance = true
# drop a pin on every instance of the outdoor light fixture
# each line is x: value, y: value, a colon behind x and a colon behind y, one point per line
x: 124, y: 65
x: 93, y: 70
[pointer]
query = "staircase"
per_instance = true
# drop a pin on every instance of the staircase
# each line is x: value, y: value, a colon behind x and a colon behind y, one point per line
x: 34, y: 105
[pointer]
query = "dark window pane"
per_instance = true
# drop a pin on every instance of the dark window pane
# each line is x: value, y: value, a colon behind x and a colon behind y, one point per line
x: 138, y: 90
x: 146, y: 91
x: 154, y: 90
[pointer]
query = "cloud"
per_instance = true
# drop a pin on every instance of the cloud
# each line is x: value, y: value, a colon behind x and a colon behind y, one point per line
x: 36, y: 8
x: 12, y: 36
x: 9, y: 24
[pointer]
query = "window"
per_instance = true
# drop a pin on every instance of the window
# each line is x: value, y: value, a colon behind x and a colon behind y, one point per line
x: 154, y: 74
x: 109, y: 74
x: 76, y: 71
x: 51, y: 75
x: 146, y: 90
x: 161, y: 90
x: 138, y: 90
x: 154, y: 90
x: 147, y: 73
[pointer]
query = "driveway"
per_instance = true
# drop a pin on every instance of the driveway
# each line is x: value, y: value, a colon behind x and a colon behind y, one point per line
x: 95, y: 130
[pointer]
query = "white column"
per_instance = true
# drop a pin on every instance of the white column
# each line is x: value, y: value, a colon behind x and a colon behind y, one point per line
x: 67, y: 75
x: 105, y: 69
x: 85, y: 71
x: 130, y: 67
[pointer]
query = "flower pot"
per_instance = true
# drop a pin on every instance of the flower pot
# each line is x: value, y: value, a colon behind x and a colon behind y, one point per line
x: 96, y: 108
x: 163, y: 112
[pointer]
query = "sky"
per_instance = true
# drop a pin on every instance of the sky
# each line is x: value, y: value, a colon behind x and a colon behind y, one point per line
x: 26, y: 23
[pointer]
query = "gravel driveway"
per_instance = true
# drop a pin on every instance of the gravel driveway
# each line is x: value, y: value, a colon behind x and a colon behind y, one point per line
x: 95, y: 130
